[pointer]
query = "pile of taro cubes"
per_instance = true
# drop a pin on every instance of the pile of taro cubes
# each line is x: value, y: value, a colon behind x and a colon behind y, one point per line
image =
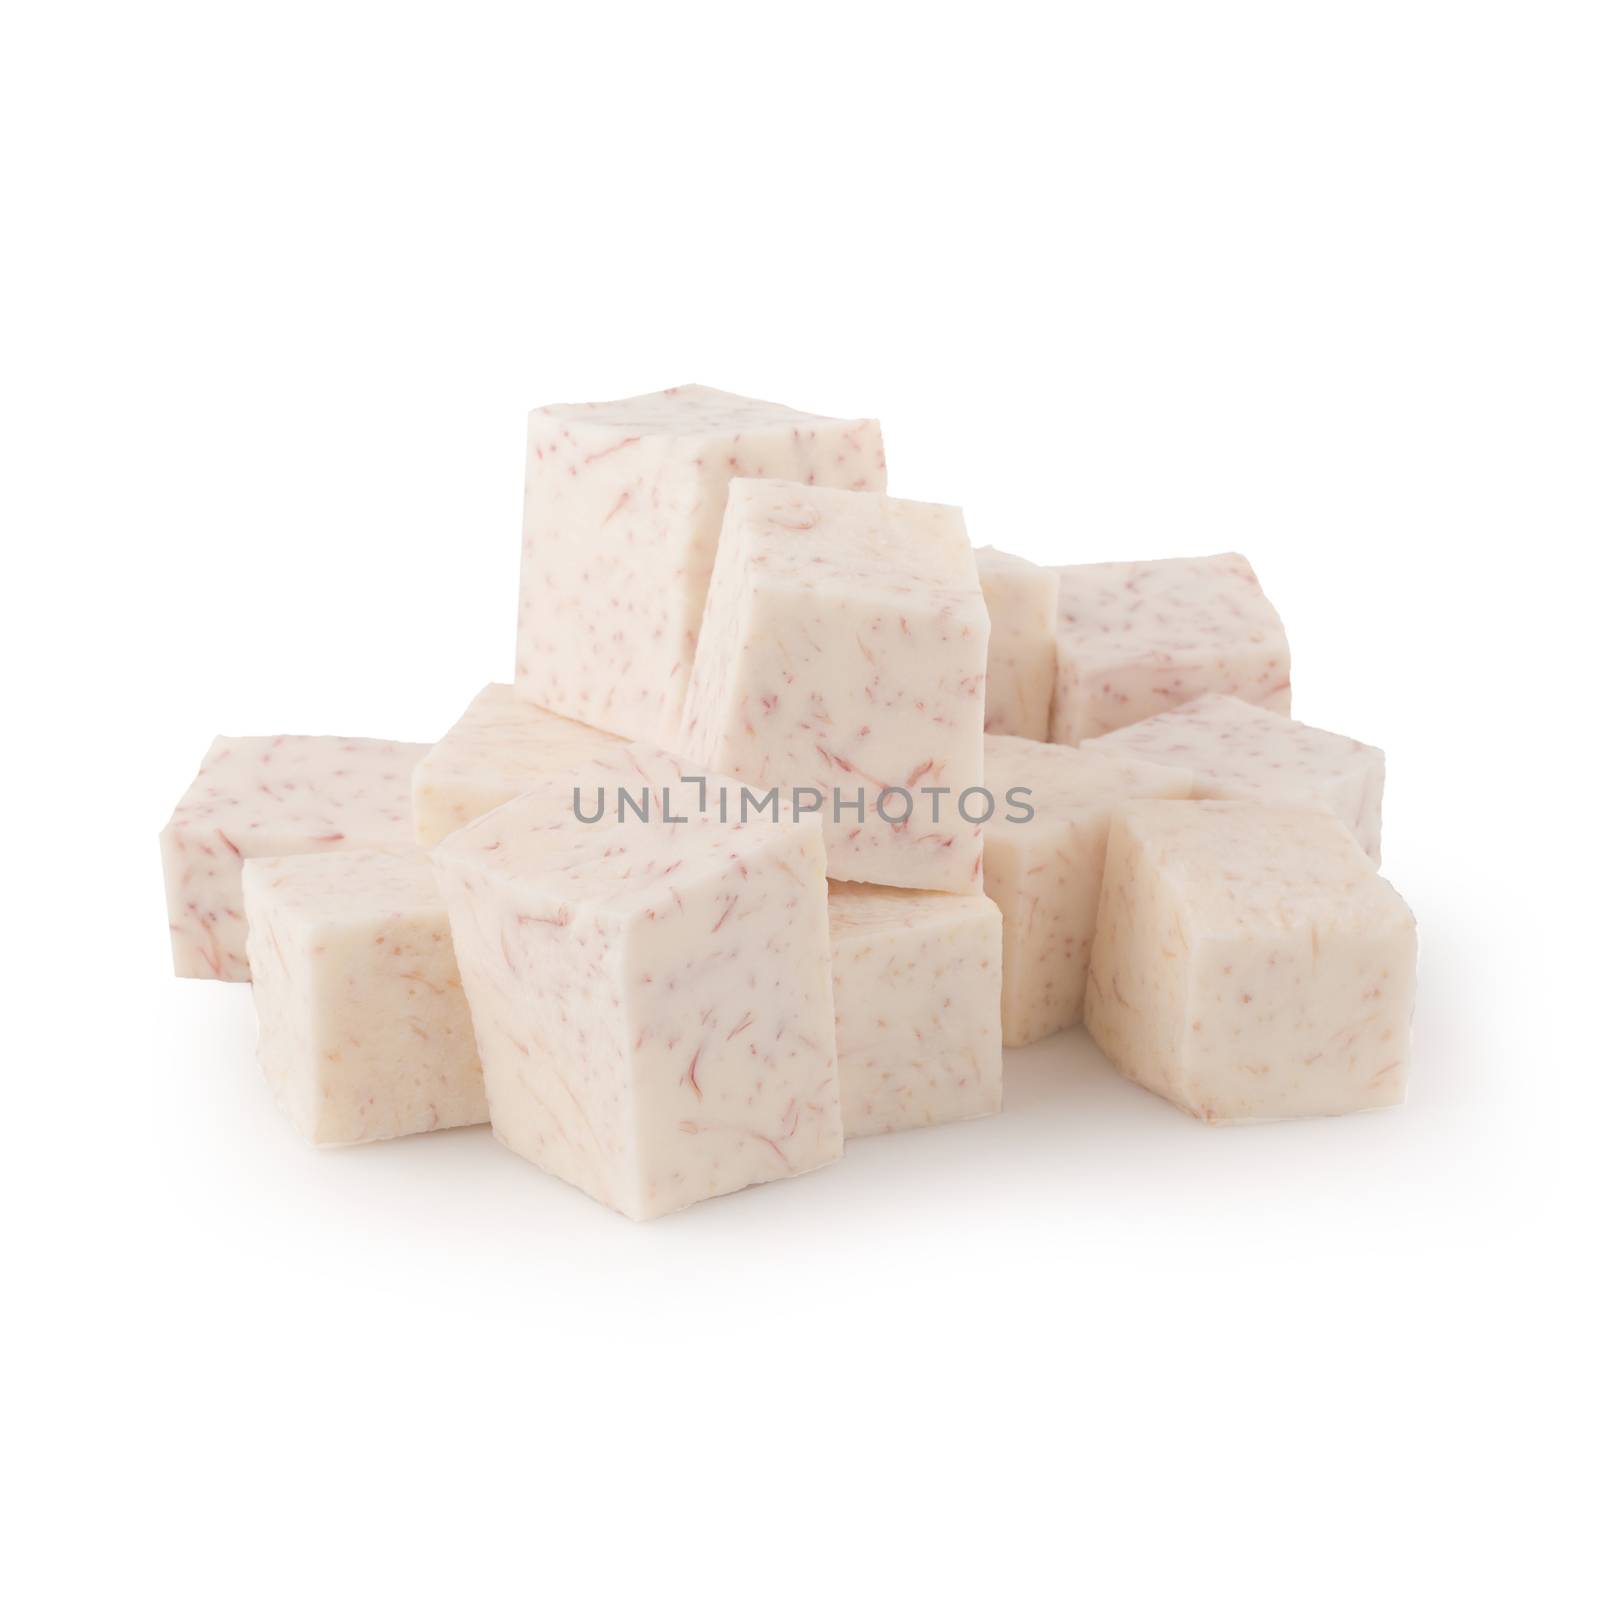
x: 799, y: 808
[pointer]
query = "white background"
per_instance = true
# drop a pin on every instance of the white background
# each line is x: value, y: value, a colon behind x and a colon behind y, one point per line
x: 1317, y: 283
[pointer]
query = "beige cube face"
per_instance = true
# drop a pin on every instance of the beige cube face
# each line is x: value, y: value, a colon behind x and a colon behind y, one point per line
x: 1021, y: 601
x: 622, y: 512
x: 843, y: 652
x: 1238, y: 751
x: 1136, y: 638
x: 916, y: 986
x: 364, y: 1028
x: 282, y: 796
x: 539, y: 974
x: 1249, y: 964
x: 501, y: 747
x: 652, y: 999
x: 735, y: 1066
x: 1044, y: 870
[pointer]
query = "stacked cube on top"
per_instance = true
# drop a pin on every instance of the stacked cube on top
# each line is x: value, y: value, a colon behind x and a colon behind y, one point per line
x: 670, y: 999
x: 843, y: 652
x: 622, y: 515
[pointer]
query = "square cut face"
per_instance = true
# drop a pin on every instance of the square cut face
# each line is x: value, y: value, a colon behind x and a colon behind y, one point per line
x: 622, y: 513
x: 501, y: 747
x: 1250, y: 964
x: 289, y: 795
x: 1238, y: 751
x: 843, y: 654
x: 364, y: 1029
x: 916, y: 991
x: 652, y: 998
x: 1134, y: 638
x: 1021, y: 601
x: 1043, y: 855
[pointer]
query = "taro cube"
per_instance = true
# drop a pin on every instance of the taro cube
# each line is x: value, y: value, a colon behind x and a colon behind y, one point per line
x: 651, y: 996
x: 1250, y: 964
x: 916, y: 991
x: 843, y: 656
x: 1134, y: 638
x: 364, y: 1028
